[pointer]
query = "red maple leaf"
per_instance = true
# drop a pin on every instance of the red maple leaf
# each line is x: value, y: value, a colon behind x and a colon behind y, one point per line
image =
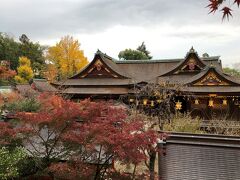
x: 226, y: 12
x: 213, y: 6
x: 237, y: 1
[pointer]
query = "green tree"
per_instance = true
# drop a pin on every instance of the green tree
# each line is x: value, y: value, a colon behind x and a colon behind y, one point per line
x: 143, y: 49
x: 130, y: 54
x: 141, y: 53
x: 33, y: 51
x: 231, y: 71
x: 9, y: 50
x: 9, y: 162
x: 25, y: 72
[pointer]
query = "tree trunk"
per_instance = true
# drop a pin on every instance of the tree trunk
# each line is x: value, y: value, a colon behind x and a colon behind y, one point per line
x: 152, y: 159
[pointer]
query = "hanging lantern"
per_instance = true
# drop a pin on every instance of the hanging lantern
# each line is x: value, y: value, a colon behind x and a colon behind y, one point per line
x: 236, y: 102
x: 159, y: 101
x: 145, y: 101
x: 164, y: 96
x: 178, y: 105
x: 131, y: 100
x: 210, y: 103
x: 137, y: 102
x: 196, y: 101
x: 224, y: 102
x: 152, y: 103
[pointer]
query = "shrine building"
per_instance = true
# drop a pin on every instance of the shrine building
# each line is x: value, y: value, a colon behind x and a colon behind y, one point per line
x: 204, y: 88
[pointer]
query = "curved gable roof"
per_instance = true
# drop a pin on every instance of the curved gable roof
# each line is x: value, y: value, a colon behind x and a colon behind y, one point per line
x: 179, y: 67
x: 113, y: 68
x: 225, y: 79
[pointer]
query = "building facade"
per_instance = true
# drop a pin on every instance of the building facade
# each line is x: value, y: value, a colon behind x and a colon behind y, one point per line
x: 203, y: 88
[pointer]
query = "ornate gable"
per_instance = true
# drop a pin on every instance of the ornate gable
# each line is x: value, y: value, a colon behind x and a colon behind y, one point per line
x: 191, y: 64
x: 212, y: 77
x: 99, y: 68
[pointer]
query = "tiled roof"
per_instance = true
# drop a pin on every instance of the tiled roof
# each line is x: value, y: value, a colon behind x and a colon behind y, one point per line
x: 203, y: 157
x: 43, y: 85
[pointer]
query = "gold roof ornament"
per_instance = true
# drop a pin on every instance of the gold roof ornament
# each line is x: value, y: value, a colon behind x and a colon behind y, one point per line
x: 224, y: 102
x: 178, y: 105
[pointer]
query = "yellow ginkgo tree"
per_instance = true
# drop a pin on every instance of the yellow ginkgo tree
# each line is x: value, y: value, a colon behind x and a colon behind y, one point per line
x: 66, y: 57
x: 24, y: 71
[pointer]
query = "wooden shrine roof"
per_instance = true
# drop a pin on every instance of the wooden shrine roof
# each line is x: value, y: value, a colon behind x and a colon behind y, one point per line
x: 211, y: 89
x: 42, y: 85
x: 95, y: 82
x: 106, y: 74
x: 96, y: 90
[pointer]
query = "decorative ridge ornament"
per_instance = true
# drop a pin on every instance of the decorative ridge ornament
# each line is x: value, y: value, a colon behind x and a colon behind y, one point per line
x: 192, y: 50
x: 98, y: 65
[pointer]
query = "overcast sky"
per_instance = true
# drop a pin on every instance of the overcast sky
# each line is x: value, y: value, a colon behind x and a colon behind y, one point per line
x: 169, y: 28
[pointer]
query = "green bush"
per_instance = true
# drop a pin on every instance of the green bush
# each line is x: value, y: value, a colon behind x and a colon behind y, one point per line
x: 9, y: 160
x: 24, y: 105
x: 183, y: 123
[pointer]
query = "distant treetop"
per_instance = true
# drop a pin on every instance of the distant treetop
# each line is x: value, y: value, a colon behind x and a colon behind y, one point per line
x: 141, y: 53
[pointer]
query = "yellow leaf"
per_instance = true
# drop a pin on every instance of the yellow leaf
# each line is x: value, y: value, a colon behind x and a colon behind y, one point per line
x: 67, y: 57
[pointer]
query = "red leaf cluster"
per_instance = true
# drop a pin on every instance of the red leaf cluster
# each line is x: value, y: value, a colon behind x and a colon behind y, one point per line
x: 237, y: 2
x: 226, y: 10
x: 213, y: 6
x: 7, y: 133
x: 107, y: 127
x: 6, y: 73
x: 55, y: 112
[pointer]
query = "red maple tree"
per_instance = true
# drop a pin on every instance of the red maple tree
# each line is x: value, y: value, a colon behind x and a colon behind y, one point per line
x: 107, y: 135
x: 42, y: 131
x: 84, y: 139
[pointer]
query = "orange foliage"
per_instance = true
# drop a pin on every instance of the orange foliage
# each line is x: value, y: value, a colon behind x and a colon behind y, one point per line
x: 6, y: 73
x: 9, y: 98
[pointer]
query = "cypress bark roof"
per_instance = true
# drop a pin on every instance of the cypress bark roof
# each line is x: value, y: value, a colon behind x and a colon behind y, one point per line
x: 108, y: 73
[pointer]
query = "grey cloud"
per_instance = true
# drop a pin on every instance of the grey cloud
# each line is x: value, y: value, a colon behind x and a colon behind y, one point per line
x: 52, y: 18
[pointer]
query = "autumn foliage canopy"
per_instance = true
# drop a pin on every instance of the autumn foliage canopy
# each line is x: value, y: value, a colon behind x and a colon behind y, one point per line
x: 82, y: 139
x: 65, y: 59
